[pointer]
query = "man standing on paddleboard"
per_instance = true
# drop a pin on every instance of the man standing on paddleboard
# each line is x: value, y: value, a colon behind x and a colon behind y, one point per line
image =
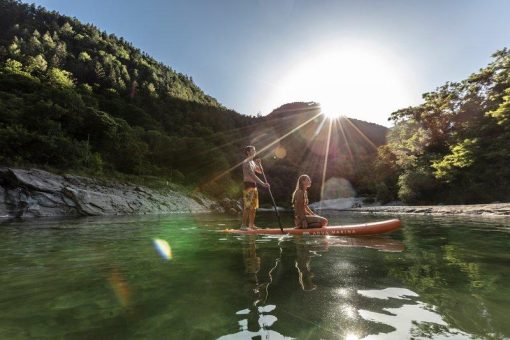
x: 250, y: 193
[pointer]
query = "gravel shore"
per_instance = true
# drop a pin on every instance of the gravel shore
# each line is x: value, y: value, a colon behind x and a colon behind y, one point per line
x: 488, y: 210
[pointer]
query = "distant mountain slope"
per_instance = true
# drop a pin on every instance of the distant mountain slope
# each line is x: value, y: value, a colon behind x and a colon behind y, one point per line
x: 340, y: 150
x: 374, y: 132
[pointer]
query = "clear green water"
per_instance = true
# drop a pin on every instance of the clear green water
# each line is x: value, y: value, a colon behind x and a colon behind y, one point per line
x: 103, y: 278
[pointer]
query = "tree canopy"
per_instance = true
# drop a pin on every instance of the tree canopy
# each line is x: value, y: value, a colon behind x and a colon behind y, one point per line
x: 453, y: 148
x: 73, y: 97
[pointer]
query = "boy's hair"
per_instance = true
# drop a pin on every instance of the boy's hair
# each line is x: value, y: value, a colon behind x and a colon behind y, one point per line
x: 248, y: 148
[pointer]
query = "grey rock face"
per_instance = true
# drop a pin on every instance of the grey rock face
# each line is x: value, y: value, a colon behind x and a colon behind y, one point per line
x: 3, y: 205
x: 38, y: 193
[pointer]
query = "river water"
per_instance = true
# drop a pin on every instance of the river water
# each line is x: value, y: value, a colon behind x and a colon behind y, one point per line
x: 179, y: 277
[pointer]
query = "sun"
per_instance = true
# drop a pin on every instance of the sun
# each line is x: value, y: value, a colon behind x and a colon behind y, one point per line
x: 330, y: 113
x: 360, y: 81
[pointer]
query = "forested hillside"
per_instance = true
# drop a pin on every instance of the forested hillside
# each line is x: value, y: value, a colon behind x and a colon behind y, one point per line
x: 453, y: 148
x: 73, y: 97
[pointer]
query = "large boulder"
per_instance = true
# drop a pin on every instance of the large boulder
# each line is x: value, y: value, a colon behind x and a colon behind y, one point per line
x: 37, y: 193
x: 231, y: 206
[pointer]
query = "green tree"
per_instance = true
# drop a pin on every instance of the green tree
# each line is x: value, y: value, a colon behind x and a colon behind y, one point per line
x: 37, y: 64
x: 60, y: 77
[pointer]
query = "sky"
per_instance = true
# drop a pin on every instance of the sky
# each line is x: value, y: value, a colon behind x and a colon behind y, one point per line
x: 363, y: 59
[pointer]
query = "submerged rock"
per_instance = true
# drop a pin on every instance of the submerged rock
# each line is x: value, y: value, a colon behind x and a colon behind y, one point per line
x: 38, y: 193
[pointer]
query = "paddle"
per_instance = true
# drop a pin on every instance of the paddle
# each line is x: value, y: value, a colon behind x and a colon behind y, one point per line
x: 271, y: 194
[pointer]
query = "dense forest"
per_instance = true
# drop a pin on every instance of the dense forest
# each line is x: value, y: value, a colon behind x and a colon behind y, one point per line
x: 453, y: 148
x: 73, y: 98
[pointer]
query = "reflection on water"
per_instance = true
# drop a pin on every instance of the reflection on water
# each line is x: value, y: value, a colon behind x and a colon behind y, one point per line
x: 407, y: 318
x: 256, y: 319
x: 177, y: 277
x: 412, y: 319
x: 304, y: 255
x: 306, y: 249
x: 349, y: 310
x: 265, y: 320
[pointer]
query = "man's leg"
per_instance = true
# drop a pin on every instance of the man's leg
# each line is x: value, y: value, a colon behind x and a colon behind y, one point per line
x: 246, y: 217
x: 252, y: 218
x: 246, y: 208
x: 254, y: 206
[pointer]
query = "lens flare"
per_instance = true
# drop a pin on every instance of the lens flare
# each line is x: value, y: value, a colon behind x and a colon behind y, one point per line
x: 336, y: 187
x: 280, y: 152
x: 120, y: 287
x: 163, y: 248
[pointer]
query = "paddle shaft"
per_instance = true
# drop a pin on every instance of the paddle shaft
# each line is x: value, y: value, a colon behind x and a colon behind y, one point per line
x: 272, y: 197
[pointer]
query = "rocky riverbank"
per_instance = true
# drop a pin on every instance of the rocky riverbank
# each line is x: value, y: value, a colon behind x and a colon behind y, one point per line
x: 486, y: 210
x: 37, y: 193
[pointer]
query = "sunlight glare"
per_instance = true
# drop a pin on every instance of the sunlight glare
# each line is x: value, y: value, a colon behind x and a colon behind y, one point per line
x: 330, y: 113
x: 351, y: 337
x: 357, y: 80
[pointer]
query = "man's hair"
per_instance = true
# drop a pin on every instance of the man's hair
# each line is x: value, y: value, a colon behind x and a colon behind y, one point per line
x: 248, y: 148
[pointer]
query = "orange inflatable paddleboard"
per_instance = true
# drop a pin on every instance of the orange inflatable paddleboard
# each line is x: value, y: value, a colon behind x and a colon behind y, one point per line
x: 346, y: 230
